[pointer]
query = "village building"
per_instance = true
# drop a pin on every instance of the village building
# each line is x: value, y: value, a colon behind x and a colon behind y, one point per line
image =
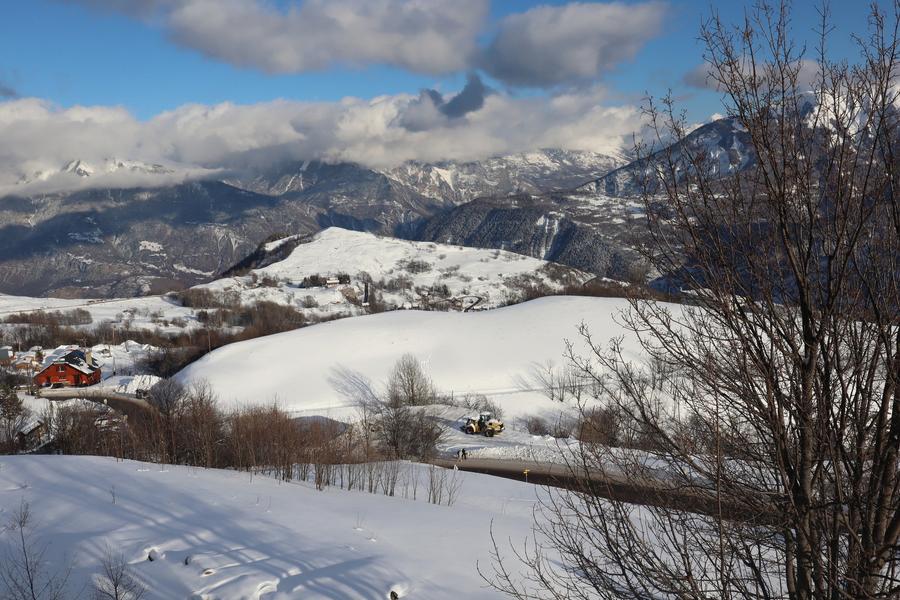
x: 68, y: 366
x: 6, y: 356
x: 31, y: 435
x: 28, y: 362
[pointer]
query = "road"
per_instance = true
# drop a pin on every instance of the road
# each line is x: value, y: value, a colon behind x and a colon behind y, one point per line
x: 605, y: 486
x: 103, y: 395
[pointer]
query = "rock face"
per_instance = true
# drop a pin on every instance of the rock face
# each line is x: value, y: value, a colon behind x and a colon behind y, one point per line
x: 598, y: 235
x: 122, y: 242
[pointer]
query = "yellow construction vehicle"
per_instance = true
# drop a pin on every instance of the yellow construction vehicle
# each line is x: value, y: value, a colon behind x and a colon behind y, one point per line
x: 484, y: 423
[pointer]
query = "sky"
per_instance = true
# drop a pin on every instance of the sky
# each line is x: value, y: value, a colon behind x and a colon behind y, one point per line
x: 212, y: 84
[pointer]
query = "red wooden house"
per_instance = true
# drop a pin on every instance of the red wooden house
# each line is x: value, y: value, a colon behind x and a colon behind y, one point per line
x: 69, y: 367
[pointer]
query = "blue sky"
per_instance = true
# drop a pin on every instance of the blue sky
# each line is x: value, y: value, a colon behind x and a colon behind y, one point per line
x: 72, y: 54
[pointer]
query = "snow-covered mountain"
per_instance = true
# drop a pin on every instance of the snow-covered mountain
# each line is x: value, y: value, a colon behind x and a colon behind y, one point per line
x: 535, y: 172
x: 446, y: 182
x: 724, y: 144
x: 86, y: 169
x: 92, y: 241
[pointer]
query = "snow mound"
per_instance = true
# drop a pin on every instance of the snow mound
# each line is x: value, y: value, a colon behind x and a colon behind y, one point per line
x: 489, y: 352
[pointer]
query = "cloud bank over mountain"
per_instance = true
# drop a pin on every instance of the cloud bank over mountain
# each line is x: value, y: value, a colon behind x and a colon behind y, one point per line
x: 560, y: 53
x: 40, y: 137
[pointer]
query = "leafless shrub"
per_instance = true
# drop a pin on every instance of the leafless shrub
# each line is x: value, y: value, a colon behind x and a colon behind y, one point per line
x: 116, y: 581
x: 478, y: 403
x: 26, y: 573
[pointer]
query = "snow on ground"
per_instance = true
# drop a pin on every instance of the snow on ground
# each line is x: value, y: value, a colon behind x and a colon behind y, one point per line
x: 146, y: 312
x: 515, y: 443
x: 486, y: 352
x: 225, y: 535
x: 470, y: 274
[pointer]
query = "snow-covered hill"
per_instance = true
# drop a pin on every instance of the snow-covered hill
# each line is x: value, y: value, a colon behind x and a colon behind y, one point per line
x: 222, y: 534
x: 489, y: 352
x: 403, y: 273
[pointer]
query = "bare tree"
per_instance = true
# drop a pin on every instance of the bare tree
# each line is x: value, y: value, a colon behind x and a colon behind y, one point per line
x: 773, y: 404
x: 409, y: 384
x: 116, y: 582
x: 168, y: 398
x: 13, y: 415
x: 396, y: 421
x: 25, y: 572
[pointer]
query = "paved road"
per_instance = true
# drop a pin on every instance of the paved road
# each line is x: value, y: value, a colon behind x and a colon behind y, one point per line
x: 605, y: 486
x: 98, y: 394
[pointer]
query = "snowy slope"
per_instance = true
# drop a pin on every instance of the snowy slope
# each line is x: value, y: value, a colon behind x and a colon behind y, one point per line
x: 477, y: 276
x: 472, y: 276
x: 484, y: 352
x: 146, y: 312
x: 224, y: 535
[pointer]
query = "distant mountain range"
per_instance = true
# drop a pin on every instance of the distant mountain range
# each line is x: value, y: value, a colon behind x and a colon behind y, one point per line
x: 566, y: 206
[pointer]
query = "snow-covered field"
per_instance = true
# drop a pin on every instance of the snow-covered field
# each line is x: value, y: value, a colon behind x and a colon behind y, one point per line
x: 485, y: 278
x: 148, y: 312
x: 488, y: 352
x: 223, y: 535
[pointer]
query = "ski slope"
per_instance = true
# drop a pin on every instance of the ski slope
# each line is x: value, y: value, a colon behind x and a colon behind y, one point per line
x: 224, y: 535
x: 489, y: 352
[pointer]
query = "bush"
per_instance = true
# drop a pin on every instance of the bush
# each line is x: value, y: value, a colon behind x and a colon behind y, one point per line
x: 76, y: 316
x: 409, y: 384
x: 600, y: 426
x: 206, y: 298
x: 313, y: 281
x: 414, y: 266
x: 537, y: 426
x: 481, y: 403
x: 398, y: 284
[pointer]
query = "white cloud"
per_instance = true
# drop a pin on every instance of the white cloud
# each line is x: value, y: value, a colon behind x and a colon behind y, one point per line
x: 38, y: 136
x: 425, y: 36
x: 551, y: 45
x: 543, y: 47
x: 808, y: 73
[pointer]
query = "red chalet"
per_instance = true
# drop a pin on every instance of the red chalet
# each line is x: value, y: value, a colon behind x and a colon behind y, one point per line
x: 70, y: 367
